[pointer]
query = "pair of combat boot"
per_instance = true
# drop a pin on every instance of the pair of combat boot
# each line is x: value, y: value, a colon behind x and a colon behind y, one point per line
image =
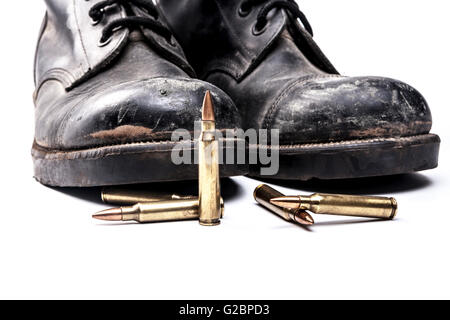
x: 115, y: 78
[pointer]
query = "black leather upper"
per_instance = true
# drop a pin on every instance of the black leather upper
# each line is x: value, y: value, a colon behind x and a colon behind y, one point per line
x: 137, y: 87
x: 280, y: 79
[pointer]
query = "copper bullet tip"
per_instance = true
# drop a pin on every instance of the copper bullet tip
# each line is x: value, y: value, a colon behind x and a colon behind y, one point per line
x: 109, y: 215
x: 304, y: 218
x: 208, y: 108
x: 286, y: 202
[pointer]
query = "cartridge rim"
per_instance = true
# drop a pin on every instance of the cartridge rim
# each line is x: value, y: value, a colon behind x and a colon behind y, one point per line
x: 257, y: 189
x: 394, y: 208
x: 103, y: 195
x: 210, y: 223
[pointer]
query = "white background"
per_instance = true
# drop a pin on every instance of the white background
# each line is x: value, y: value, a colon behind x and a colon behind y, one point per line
x: 51, y: 248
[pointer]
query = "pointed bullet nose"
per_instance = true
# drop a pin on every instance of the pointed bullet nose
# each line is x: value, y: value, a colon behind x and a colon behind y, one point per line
x: 305, y: 218
x: 208, y: 108
x: 109, y: 215
x: 286, y: 202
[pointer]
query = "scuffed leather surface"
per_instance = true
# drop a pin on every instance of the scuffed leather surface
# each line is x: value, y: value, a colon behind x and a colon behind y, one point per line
x: 337, y: 108
x: 141, y: 98
x: 289, y: 84
x: 141, y: 95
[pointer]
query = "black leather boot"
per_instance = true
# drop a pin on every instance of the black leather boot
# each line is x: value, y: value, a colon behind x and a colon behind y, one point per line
x: 262, y: 54
x: 112, y: 84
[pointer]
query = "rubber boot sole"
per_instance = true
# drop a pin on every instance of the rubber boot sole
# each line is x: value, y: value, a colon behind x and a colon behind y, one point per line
x: 133, y: 163
x: 355, y: 159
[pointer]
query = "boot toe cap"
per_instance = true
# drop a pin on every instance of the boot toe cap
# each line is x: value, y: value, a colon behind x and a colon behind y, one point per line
x: 339, y: 108
x: 140, y: 111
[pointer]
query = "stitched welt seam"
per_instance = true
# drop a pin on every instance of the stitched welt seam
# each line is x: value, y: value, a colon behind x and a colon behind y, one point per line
x: 346, y: 142
x: 41, y: 149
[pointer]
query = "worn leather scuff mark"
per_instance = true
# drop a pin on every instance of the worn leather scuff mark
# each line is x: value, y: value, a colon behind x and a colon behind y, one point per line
x: 126, y: 132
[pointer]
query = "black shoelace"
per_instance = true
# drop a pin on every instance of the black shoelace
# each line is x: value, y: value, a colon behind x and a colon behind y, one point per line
x: 98, y: 11
x: 289, y: 5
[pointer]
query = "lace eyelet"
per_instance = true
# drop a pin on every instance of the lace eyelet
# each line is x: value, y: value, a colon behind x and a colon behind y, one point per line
x: 172, y: 42
x: 244, y: 12
x: 96, y: 22
x: 258, y: 31
x: 104, y: 43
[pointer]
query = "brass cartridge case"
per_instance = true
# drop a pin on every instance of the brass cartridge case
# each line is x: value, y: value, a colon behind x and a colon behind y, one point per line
x: 124, y: 196
x: 209, y: 176
x: 347, y: 205
x: 174, y: 210
x: 263, y: 194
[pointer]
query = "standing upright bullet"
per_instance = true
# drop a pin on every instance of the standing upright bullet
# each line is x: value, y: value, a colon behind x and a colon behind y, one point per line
x: 209, y: 177
x: 343, y: 205
x: 264, y: 193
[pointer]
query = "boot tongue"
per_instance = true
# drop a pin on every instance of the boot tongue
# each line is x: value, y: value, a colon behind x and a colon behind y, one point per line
x: 170, y: 50
x: 136, y: 36
x: 307, y: 45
